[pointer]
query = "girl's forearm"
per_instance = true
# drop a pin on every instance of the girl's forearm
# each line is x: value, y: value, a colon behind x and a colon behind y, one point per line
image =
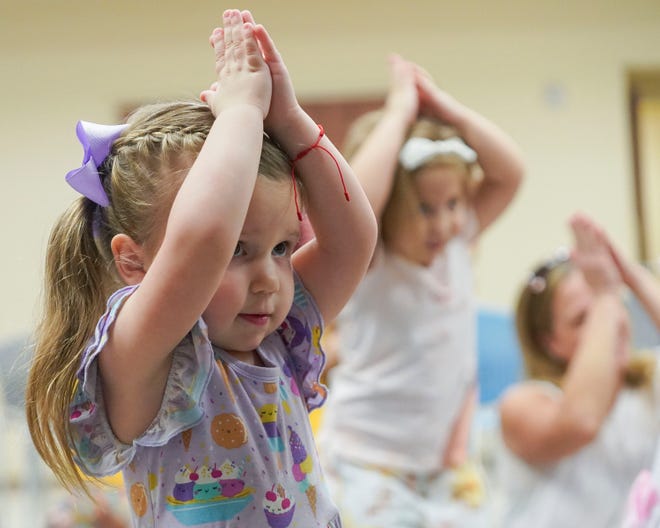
x: 594, y: 377
x: 345, y: 231
x: 499, y: 156
x: 456, y: 452
x: 217, y: 190
x: 376, y: 160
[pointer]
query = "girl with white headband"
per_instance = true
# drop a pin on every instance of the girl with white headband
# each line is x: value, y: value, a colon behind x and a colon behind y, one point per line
x: 395, y: 429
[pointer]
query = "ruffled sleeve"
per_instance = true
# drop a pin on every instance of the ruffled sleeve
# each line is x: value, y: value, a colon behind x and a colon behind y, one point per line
x: 98, y: 451
x: 301, y: 333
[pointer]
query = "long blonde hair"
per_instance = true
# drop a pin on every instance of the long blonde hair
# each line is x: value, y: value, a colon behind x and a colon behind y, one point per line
x: 534, y: 324
x: 402, y: 204
x: 141, y: 176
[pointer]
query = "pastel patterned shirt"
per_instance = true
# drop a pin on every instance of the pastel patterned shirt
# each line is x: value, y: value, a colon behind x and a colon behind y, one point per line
x: 232, y: 444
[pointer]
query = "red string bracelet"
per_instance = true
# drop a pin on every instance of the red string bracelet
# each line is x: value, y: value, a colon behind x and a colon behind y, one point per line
x: 304, y: 153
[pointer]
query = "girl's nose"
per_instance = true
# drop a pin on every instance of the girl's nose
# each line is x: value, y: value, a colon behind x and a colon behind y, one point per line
x: 442, y: 226
x: 265, y: 278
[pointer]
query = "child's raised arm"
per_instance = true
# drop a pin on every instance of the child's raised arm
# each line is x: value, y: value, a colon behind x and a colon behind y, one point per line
x: 180, y: 271
x: 376, y: 160
x: 333, y: 263
x: 541, y: 428
x: 641, y: 281
x: 499, y: 157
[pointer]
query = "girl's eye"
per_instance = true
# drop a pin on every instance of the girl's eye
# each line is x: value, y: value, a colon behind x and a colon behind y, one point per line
x: 426, y: 209
x: 281, y: 249
x: 579, y: 320
x: 452, y: 204
x: 238, y: 250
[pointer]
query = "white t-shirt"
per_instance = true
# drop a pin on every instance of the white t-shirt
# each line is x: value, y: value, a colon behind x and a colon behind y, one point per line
x: 407, y: 342
x: 589, y: 488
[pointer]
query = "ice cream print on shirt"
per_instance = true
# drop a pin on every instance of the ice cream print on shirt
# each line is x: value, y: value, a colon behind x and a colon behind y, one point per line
x: 212, y: 492
x: 224, y: 488
x: 302, y: 467
x: 209, y: 493
x: 268, y: 415
x: 278, y: 507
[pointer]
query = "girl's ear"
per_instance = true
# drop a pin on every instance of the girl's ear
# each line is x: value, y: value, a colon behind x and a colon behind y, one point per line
x: 129, y: 259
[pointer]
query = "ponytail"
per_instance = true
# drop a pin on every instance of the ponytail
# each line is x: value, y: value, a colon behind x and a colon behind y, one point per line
x: 77, y: 281
x: 640, y: 370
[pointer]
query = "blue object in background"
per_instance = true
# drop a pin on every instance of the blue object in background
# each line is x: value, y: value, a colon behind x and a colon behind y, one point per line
x: 644, y: 332
x: 500, y: 360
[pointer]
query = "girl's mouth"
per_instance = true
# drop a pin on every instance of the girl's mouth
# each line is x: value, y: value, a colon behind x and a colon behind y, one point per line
x: 257, y: 319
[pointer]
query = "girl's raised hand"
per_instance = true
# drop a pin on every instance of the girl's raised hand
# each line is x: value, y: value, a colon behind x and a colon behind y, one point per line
x: 402, y: 98
x: 243, y: 75
x: 435, y: 102
x: 284, y: 104
x: 592, y: 255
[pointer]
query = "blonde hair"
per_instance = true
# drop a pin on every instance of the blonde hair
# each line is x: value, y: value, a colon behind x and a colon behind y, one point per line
x: 141, y: 176
x: 534, y: 324
x: 402, y: 207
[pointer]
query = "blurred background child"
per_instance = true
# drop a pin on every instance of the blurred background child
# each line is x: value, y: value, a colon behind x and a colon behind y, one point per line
x: 585, y: 422
x: 397, y: 423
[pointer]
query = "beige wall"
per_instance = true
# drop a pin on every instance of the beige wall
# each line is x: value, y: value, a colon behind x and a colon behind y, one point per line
x: 553, y: 75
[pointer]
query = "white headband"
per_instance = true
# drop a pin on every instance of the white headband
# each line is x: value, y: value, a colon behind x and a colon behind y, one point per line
x: 419, y: 150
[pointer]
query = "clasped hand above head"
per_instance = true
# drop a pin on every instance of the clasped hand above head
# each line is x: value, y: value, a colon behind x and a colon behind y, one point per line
x: 591, y: 253
x: 244, y: 48
x: 243, y: 76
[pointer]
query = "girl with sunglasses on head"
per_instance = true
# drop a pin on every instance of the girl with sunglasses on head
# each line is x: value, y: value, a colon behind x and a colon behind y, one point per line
x: 579, y: 429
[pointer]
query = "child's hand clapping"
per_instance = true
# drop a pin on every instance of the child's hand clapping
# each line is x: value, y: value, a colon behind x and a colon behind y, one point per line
x: 592, y: 255
x: 402, y: 97
x: 434, y: 102
x: 284, y: 104
x: 243, y: 76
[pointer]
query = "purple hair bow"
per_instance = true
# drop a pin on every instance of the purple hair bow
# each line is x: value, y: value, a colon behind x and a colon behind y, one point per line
x: 96, y: 141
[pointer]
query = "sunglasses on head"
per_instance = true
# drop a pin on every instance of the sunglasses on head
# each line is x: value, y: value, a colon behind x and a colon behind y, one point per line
x: 537, y: 280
